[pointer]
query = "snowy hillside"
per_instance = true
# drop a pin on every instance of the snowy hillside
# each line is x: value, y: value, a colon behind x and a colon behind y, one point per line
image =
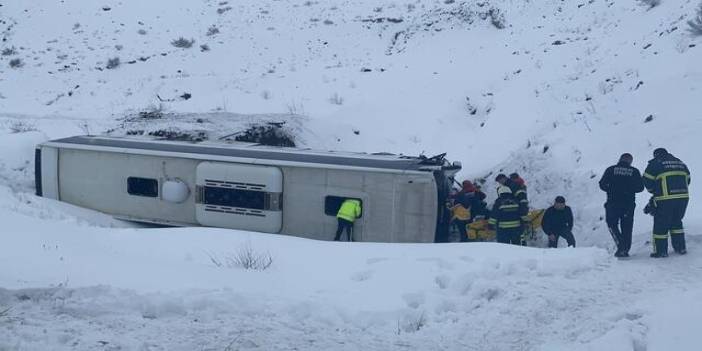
x: 555, y: 90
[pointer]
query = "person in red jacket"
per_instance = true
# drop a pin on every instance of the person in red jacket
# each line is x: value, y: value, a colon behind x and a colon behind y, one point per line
x: 471, y: 197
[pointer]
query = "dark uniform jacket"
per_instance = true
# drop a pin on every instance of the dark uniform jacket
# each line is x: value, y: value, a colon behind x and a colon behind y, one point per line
x: 667, y: 178
x: 505, y: 214
x: 621, y: 182
x: 474, y: 201
x: 556, y: 221
x: 520, y: 195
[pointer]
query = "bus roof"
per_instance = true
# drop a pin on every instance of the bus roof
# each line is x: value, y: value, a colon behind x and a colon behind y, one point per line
x: 255, y: 151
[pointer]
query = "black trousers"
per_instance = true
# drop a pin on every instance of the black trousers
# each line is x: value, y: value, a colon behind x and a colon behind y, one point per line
x: 620, y: 221
x: 668, y: 220
x: 344, y: 224
x: 462, y: 230
x: 509, y: 236
x: 567, y: 235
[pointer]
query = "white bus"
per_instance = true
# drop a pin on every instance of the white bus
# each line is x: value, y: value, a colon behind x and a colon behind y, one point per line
x: 247, y: 186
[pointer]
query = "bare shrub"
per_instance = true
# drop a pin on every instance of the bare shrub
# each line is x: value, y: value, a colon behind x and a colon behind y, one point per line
x: 266, y: 95
x: 696, y: 23
x: 271, y: 134
x: 141, y: 31
x: 9, y: 51
x: 16, y: 63
x: 84, y: 127
x: 418, y: 323
x: 472, y: 110
x: 212, y: 31
x: 152, y: 112
x: 650, y: 3
x: 336, y: 99
x: 183, y: 43
x: 412, y: 324
x: 5, y: 311
x: 245, y: 258
x: 113, y: 63
x: 22, y: 127
x: 222, y: 10
x: 497, y: 18
x: 294, y: 108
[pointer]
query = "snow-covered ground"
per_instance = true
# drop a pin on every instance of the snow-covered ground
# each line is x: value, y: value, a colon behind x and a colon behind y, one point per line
x: 557, y: 94
x: 82, y: 287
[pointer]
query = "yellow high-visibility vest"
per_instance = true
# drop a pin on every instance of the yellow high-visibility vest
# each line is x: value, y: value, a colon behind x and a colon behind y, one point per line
x: 350, y: 210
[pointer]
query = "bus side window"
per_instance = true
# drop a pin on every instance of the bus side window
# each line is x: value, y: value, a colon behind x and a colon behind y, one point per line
x: 146, y: 187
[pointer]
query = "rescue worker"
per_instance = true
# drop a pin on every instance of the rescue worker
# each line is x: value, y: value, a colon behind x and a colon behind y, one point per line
x: 479, y: 193
x: 667, y: 178
x: 505, y: 217
x: 517, y: 179
x: 558, y: 222
x: 472, y: 198
x: 521, y: 195
x: 621, y: 182
x: 349, y: 211
x: 466, y: 187
x: 460, y: 217
x: 518, y: 187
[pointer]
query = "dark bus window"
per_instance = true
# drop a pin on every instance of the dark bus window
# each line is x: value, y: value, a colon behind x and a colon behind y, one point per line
x: 332, y: 204
x: 142, y: 186
x: 234, y: 198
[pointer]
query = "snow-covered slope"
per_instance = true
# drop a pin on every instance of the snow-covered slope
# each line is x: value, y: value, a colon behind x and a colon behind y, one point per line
x: 557, y: 94
x: 159, y: 289
x: 555, y: 90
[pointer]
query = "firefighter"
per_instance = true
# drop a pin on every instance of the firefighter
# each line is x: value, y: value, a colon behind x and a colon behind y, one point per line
x: 505, y: 217
x: 349, y: 211
x: 521, y: 194
x: 667, y: 178
x: 621, y: 182
x: 516, y: 184
x: 558, y: 222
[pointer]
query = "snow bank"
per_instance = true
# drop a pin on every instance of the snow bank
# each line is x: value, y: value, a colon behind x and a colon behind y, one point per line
x: 160, y: 289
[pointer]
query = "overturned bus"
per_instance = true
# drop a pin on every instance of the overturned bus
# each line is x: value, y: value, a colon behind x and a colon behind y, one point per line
x: 246, y: 186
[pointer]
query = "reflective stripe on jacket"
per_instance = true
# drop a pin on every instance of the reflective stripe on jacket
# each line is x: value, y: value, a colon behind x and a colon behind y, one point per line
x: 350, y: 210
x: 520, y: 195
x: 667, y: 178
x: 506, y: 214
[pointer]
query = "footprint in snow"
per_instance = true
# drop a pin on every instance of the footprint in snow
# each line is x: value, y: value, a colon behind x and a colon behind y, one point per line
x: 442, y: 264
x: 414, y: 300
x: 362, y: 276
x: 632, y: 316
x: 442, y: 281
x: 467, y: 259
x: 375, y: 260
x: 491, y: 293
x: 446, y: 306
